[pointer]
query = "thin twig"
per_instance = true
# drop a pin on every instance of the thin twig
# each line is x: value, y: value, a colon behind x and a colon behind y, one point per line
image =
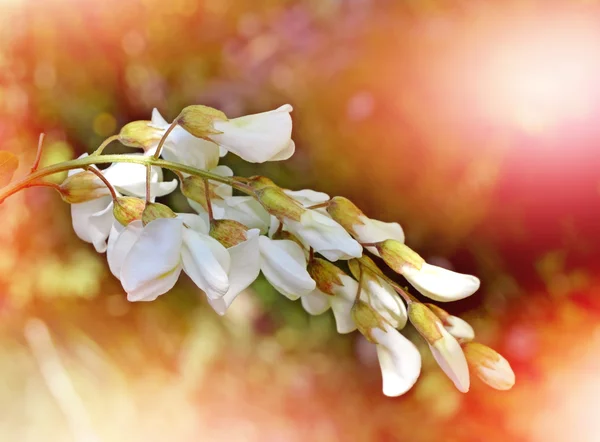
x: 164, y: 138
x: 99, y: 174
x: 38, y: 155
x: 209, y: 208
x: 105, y: 143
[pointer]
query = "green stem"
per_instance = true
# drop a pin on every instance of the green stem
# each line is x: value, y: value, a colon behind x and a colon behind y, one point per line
x: 83, y: 163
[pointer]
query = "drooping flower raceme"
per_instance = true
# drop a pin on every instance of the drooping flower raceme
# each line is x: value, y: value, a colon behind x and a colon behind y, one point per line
x: 291, y: 237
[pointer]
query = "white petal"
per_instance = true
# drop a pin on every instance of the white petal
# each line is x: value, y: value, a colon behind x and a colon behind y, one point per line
x: 284, y: 265
x: 126, y: 175
x: 440, y: 284
x: 120, y: 244
x: 460, y: 328
x: 257, y: 138
x: 342, y: 304
x: 316, y: 302
x: 223, y: 190
x: 194, y: 222
x: 451, y: 359
x: 158, y: 121
x: 245, y: 267
x: 243, y: 209
x: 373, y: 230
x: 500, y: 375
x: 307, y: 197
x: 92, y: 221
x: 183, y: 147
x: 384, y: 299
x: 286, y: 153
x: 153, y: 264
x: 325, y: 235
x: 206, y: 262
x: 399, y: 359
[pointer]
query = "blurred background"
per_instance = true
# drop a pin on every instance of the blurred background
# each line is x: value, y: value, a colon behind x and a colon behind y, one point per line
x: 474, y: 123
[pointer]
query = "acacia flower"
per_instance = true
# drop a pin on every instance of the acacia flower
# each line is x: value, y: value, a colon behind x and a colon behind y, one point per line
x: 489, y: 366
x: 149, y: 259
x: 335, y: 290
x: 92, y: 220
x: 361, y: 227
x: 182, y: 147
x: 399, y: 359
x: 255, y: 138
x: 445, y: 348
x: 432, y: 281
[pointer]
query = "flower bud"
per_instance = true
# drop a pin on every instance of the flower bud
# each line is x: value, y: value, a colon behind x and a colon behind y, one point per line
x: 194, y: 188
x: 325, y: 274
x: 127, y: 209
x: 140, y: 134
x: 345, y: 213
x: 425, y: 321
x: 366, y: 320
x: 489, y: 366
x: 445, y: 348
x: 396, y: 255
x: 198, y: 120
x: 154, y: 211
x: 228, y: 232
x: 260, y: 182
x: 459, y: 328
x: 442, y: 314
x: 367, y: 264
x: 82, y: 187
x: 278, y: 204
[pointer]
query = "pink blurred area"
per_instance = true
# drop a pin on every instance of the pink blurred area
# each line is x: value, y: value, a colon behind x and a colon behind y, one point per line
x: 472, y: 123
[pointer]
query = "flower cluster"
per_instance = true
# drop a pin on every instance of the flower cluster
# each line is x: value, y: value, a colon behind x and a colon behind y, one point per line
x: 292, y: 237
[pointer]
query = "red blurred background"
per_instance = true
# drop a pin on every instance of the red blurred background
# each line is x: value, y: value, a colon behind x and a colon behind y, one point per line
x: 472, y: 123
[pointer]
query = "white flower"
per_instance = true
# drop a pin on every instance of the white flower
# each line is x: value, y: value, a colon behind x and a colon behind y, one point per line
x: 149, y: 260
x: 363, y: 228
x: 440, y: 284
x: 451, y: 359
x: 459, y: 328
x: 341, y: 302
x: 283, y: 263
x: 257, y: 138
x: 244, y: 269
x: 92, y: 220
x: 382, y: 298
x: 399, y: 360
x: 373, y: 231
x: 182, y: 147
x: 489, y: 366
x: 324, y: 235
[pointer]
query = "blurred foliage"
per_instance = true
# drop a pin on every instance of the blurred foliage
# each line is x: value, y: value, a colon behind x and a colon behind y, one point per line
x: 385, y: 114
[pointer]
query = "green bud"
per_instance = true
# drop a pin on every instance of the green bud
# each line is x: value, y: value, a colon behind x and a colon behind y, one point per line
x: 228, y: 232
x: 489, y: 366
x: 366, y: 320
x: 127, y: 209
x: 194, y: 188
x: 82, y: 187
x: 345, y: 213
x: 442, y: 314
x: 325, y: 274
x: 260, y: 182
x: 198, y: 120
x: 425, y: 321
x: 278, y: 204
x: 396, y: 254
x: 140, y: 134
x: 154, y: 211
x: 284, y: 234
